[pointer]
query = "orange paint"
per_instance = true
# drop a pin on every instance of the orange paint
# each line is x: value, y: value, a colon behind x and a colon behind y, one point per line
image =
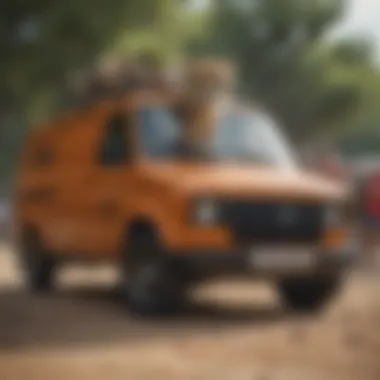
x: 80, y: 206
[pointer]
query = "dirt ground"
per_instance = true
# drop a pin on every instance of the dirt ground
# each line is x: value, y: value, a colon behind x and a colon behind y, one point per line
x: 232, y: 331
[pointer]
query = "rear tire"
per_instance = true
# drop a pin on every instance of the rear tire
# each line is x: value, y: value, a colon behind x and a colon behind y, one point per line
x: 38, y: 263
x: 308, y: 294
x: 150, y: 284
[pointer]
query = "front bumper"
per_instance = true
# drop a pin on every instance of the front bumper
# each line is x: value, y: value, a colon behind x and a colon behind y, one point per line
x: 208, y: 263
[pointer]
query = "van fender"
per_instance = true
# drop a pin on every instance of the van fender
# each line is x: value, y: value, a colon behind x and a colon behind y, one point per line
x: 166, y: 225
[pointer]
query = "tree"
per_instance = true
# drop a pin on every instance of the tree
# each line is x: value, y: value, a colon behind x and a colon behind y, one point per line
x: 43, y: 43
x: 284, y: 62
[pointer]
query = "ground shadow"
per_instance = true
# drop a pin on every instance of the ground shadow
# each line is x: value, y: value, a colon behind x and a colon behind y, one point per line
x: 95, y: 315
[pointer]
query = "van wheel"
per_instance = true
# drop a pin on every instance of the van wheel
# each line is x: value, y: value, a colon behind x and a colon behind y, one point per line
x: 308, y: 294
x: 37, y: 262
x: 150, y: 284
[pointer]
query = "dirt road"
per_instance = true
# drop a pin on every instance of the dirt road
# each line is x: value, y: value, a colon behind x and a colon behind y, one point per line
x: 233, y: 331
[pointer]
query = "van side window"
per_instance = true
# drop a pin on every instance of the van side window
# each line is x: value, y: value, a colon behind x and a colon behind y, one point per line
x: 114, y: 145
x: 159, y: 132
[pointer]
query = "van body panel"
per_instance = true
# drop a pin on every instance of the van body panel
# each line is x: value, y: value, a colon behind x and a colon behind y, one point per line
x: 83, y: 207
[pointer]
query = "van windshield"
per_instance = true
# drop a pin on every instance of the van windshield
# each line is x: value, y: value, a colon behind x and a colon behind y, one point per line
x: 239, y: 136
x: 250, y: 136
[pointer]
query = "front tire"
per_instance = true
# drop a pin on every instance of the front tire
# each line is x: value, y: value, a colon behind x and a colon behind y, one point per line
x: 308, y: 294
x: 37, y: 262
x: 150, y: 284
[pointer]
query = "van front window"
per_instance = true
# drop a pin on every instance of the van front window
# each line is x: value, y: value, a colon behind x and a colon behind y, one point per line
x: 250, y: 136
x: 238, y: 137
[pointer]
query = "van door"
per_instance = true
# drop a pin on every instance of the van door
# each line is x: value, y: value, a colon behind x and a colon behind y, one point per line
x: 108, y: 181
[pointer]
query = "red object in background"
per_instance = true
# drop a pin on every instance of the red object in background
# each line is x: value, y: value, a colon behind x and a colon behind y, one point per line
x: 373, y: 195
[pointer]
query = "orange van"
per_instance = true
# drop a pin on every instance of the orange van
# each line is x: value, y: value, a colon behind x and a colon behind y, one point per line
x: 118, y: 182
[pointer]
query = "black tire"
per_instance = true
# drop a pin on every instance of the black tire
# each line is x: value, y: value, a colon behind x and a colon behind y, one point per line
x: 150, y: 285
x: 38, y: 264
x: 308, y: 294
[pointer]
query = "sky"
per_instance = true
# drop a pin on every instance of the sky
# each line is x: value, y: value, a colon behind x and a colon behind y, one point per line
x: 362, y: 18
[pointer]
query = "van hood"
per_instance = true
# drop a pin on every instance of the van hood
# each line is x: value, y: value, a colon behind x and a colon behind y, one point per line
x: 245, y: 181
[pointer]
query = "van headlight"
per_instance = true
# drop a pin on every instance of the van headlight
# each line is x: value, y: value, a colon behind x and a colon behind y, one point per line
x: 206, y: 212
x: 334, y: 215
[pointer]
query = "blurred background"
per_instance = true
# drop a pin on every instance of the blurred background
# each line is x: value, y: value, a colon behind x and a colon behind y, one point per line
x: 315, y: 65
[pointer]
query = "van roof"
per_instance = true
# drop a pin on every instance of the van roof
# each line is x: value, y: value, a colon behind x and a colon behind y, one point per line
x: 129, y: 99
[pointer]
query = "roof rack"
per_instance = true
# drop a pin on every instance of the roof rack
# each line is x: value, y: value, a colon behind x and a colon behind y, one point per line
x: 114, y: 80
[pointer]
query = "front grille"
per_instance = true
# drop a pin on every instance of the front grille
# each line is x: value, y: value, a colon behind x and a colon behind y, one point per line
x: 272, y: 221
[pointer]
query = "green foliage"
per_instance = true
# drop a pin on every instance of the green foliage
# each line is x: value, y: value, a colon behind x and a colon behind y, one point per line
x: 360, y: 142
x: 284, y: 61
x: 44, y: 42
